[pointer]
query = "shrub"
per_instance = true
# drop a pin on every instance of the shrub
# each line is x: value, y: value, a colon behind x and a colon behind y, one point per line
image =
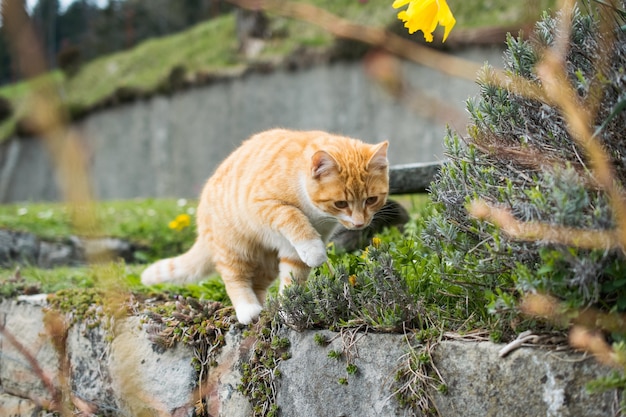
x: 520, y: 155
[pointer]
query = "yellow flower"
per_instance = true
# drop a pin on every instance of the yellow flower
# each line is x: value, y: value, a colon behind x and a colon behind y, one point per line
x: 376, y: 241
x: 424, y: 15
x: 181, y: 222
x: 352, y: 280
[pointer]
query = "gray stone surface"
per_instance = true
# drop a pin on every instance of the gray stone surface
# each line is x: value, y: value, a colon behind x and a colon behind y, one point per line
x: 167, y: 146
x: 120, y: 373
x: 528, y: 382
x: 21, y: 248
x: 25, y: 322
x: 12, y: 406
x: 89, y: 352
x: 227, y: 400
x: 310, y: 384
x: 147, y: 380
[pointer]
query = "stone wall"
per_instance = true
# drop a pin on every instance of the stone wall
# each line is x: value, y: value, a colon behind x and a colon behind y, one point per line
x: 118, y: 371
x: 23, y: 248
x: 166, y: 146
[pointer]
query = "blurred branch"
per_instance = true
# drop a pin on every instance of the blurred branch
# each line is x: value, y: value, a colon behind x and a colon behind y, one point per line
x: 36, y: 368
x: 584, y: 334
x: 48, y: 118
x: 376, y: 37
x: 547, y: 233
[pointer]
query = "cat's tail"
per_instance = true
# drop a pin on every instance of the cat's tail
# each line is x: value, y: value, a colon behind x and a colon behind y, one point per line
x: 191, y: 266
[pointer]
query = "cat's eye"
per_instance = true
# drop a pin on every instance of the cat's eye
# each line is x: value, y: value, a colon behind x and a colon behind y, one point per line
x: 341, y: 204
x: 371, y: 200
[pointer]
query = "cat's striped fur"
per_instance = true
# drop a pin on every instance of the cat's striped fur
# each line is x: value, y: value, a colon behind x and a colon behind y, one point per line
x: 271, y: 206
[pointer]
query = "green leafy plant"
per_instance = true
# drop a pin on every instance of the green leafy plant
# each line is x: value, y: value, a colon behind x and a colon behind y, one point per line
x: 520, y: 156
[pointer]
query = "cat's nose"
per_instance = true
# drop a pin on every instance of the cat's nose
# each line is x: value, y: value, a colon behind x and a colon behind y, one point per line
x: 358, y: 220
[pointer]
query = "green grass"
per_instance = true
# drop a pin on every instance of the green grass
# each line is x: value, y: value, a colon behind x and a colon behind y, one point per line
x: 114, y: 275
x: 137, y: 220
x: 206, y: 47
x: 143, y: 222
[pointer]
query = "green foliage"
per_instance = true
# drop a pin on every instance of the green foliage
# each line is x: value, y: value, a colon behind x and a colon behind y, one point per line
x: 397, y: 284
x: 197, y: 323
x: 616, y: 380
x: 351, y: 369
x: 142, y: 222
x: 520, y: 156
x: 320, y: 339
x: 363, y: 289
x: 334, y: 354
x: 260, y: 375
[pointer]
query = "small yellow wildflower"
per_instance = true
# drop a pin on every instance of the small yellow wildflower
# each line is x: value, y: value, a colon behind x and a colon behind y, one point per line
x: 376, y: 241
x: 181, y: 222
x: 352, y: 280
x: 424, y: 15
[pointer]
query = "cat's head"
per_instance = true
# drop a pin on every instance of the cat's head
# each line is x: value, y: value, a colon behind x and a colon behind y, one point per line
x: 350, y: 183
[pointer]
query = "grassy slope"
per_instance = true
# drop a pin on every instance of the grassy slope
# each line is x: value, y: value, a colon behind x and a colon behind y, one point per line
x: 212, y: 47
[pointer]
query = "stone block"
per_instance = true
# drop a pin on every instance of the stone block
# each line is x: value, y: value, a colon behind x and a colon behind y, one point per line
x: 11, y: 406
x: 147, y: 380
x: 528, y: 382
x: 120, y: 372
x: 88, y: 351
x: 312, y: 384
x: 24, y: 322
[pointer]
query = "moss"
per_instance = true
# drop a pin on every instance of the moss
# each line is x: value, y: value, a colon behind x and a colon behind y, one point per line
x: 199, y: 324
x: 260, y: 375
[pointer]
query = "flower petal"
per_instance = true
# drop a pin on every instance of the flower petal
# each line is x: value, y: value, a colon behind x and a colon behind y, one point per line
x: 399, y: 3
x: 425, y: 15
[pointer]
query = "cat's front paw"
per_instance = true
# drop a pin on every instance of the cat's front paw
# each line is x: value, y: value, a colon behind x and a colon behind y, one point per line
x: 312, y: 252
x: 247, y: 313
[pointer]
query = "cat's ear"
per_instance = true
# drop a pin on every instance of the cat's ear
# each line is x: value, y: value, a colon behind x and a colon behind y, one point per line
x: 378, y: 160
x: 322, y: 163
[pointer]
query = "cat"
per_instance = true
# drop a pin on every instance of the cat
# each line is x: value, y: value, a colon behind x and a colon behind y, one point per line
x: 392, y: 214
x: 270, y: 208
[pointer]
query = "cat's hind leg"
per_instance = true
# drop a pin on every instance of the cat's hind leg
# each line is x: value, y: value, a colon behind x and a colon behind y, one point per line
x: 238, y: 279
x: 290, y: 270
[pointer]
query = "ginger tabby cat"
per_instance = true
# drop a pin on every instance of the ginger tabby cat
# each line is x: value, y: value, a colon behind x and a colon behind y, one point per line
x: 271, y: 206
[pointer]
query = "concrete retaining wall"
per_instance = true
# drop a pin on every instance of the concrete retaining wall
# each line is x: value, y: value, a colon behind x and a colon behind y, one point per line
x: 118, y: 371
x: 167, y: 146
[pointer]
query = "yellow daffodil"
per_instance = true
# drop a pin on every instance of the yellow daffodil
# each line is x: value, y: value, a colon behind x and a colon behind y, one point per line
x: 181, y: 222
x: 424, y: 15
x: 376, y: 241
